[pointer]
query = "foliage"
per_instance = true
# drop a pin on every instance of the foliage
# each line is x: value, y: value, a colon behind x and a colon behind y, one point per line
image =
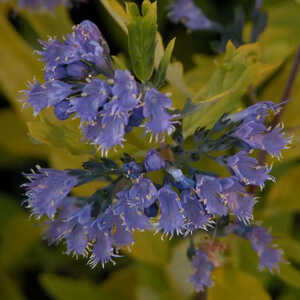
x: 214, y: 84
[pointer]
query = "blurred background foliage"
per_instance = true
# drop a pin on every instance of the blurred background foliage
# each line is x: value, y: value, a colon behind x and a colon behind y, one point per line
x: 153, y: 269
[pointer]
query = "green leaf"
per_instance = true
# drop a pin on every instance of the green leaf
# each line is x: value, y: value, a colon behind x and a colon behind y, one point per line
x: 236, y: 71
x: 160, y: 75
x: 176, y: 79
x: 150, y: 248
x: 233, y: 284
x: 9, y: 289
x: 14, y: 134
x: 56, y: 24
x: 283, y: 196
x: 159, y: 50
x: 18, y: 235
x: 62, y: 288
x: 16, y: 55
x: 290, y: 247
x: 289, y: 274
x: 117, y: 12
x: 125, y: 279
x: 8, y: 209
x: 59, y: 134
x: 290, y: 294
x: 179, y: 269
x: 142, y: 31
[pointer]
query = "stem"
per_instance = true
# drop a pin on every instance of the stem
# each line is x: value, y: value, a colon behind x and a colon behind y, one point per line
x: 286, y: 95
x: 201, y: 295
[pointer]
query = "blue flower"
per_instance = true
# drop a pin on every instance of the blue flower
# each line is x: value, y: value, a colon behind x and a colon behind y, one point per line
x: 274, y: 141
x: 77, y: 240
x: 82, y: 216
x: 94, y: 95
x: 126, y: 91
x: 47, y: 189
x: 259, y: 237
x: 107, y: 131
x: 142, y: 194
x: 180, y: 181
x: 257, y: 136
x: 58, y: 227
x: 77, y: 71
x: 261, y: 241
x: 131, y: 216
x: 102, y: 250
x: 172, y: 219
x: 68, y: 58
x: 248, y: 170
x: 40, y: 4
x: 49, y: 94
x: 153, y: 161
x: 204, y: 266
x: 208, y: 189
x: 186, y: 12
x: 194, y: 211
x: 136, y: 119
x: 270, y: 258
x: 159, y: 120
x: 256, y: 112
x: 62, y: 110
x: 238, y: 200
x: 132, y: 170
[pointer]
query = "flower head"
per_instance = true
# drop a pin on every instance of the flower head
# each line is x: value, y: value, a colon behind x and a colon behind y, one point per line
x: 49, y: 94
x: 172, y: 219
x: 186, y: 12
x: 194, y: 211
x: 248, y: 170
x: 93, y: 97
x: 203, y: 266
x: 159, y: 120
x: 153, y: 161
x: 142, y: 194
x: 47, y: 189
x: 208, y: 189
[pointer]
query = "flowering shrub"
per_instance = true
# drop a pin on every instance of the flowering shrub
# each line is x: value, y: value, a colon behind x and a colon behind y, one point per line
x: 162, y: 189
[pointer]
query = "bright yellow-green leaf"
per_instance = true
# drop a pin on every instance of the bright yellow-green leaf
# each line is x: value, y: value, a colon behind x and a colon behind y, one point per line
x: 290, y: 247
x: 117, y: 12
x: 142, y: 30
x: 176, y: 79
x: 235, y: 72
x: 179, y: 269
x: 160, y: 74
x: 65, y: 134
x: 289, y: 274
x: 62, y: 288
x: 159, y: 50
x: 57, y: 23
x: 18, y: 64
x: 284, y: 195
x: 232, y: 284
x: 13, y: 133
x: 125, y: 279
x: 150, y: 248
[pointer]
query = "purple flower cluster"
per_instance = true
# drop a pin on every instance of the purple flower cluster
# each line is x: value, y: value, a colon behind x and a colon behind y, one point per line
x: 203, y: 266
x: 261, y: 241
x: 255, y: 133
x: 40, y: 4
x: 81, y: 82
x: 189, y: 14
